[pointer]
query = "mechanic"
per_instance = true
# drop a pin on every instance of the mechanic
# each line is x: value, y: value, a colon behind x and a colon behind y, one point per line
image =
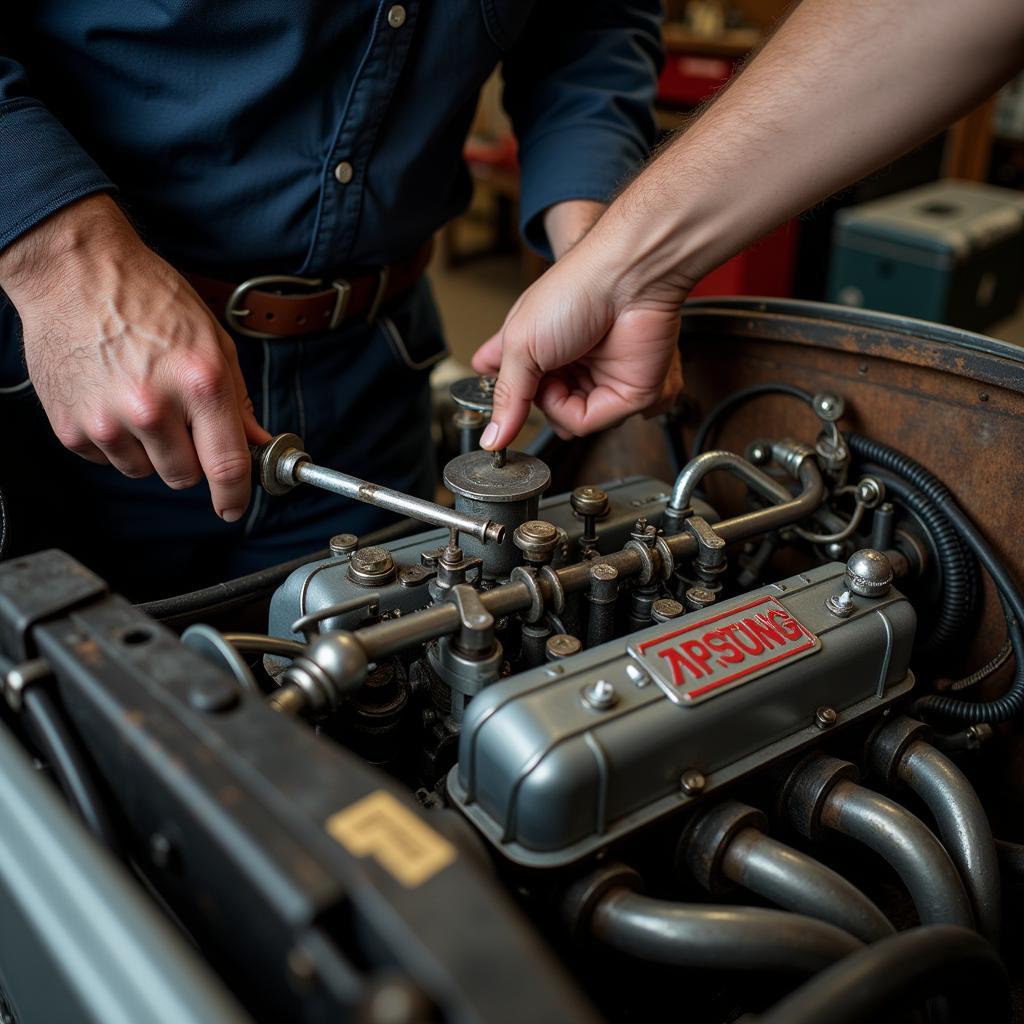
x: 839, y: 90
x: 158, y: 159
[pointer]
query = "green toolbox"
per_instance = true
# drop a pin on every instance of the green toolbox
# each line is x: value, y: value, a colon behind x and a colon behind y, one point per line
x: 952, y: 252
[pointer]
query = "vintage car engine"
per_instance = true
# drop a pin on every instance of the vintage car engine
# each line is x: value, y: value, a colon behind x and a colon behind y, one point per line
x: 546, y: 754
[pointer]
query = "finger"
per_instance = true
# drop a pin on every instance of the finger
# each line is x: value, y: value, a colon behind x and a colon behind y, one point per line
x: 213, y: 413
x: 158, y: 424
x: 670, y: 391
x: 487, y: 358
x: 172, y: 453
x: 581, y: 414
x: 120, y: 448
x: 513, y: 395
x: 254, y: 431
x: 91, y: 453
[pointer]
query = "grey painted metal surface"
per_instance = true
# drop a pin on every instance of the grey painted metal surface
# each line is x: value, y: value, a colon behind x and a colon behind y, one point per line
x: 79, y: 942
x: 549, y: 779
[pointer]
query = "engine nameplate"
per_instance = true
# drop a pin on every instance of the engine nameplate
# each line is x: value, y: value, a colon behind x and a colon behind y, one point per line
x: 696, y: 662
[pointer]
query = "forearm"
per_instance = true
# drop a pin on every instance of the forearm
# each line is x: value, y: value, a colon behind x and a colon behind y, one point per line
x: 840, y: 89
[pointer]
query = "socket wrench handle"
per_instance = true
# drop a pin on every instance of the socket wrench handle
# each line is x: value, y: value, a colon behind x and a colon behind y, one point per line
x: 282, y: 464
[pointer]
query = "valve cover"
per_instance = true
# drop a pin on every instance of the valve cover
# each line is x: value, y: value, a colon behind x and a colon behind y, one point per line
x: 549, y: 774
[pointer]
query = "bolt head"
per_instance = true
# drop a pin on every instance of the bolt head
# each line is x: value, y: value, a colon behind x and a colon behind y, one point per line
x: 692, y: 782
x: 373, y: 561
x: 604, y: 571
x: 699, y: 597
x: 665, y: 608
x: 828, y: 407
x: 841, y: 605
x: 869, y: 573
x: 561, y: 645
x: 536, y: 538
x: 599, y: 695
x: 589, y: 501
x: 870, y: 492
x: 825, y: 717
x: 343, y: 544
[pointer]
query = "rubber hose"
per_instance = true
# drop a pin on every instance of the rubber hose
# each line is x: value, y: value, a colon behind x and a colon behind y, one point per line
x: 957, y: 592
x: 737, y: 398
x: 264, y: 582
x: 1011, y: 703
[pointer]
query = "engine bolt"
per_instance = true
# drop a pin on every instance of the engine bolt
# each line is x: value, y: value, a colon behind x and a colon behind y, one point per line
x: 665, y: 608
x: 825, y: 717
x: 828, y: 407
x: 841, y: 605
x: 561, y: 645
x: 759, y: 453
x: 699, y: 597
x: 692, y: 781
x: 343, y: 544
x: 537, y: 540
x: 371, y: 566
x: 599, y: 695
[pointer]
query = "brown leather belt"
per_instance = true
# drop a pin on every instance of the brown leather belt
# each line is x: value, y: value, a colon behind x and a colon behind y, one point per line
x: 259, y: 309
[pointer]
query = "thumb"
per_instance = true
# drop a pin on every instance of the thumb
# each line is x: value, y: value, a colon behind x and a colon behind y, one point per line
x: 513, y: 395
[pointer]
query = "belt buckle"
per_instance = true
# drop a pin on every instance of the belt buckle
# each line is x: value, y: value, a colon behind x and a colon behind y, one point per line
x: 233, y: 314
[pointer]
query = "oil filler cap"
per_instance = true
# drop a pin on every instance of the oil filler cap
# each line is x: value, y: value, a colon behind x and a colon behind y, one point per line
x: 869, y: 573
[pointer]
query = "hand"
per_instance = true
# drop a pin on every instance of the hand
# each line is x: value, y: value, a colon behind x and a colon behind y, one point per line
x: 590, y: 344
x: 129, y: 364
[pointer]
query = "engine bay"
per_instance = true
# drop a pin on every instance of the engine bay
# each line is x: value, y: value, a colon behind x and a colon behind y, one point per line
x: 578, y: 744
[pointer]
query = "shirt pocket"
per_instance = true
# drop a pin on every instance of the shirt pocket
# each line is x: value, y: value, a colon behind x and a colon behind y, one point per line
x: 506, y: 19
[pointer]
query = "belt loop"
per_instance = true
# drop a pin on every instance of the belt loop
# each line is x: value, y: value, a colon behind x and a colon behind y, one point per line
x: 382, y: 286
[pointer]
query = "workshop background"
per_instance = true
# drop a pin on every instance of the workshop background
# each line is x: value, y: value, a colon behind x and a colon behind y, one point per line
x: 939, y: 234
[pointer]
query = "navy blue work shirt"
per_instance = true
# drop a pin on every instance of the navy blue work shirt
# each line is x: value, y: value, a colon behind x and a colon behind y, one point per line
x: 303, y: 136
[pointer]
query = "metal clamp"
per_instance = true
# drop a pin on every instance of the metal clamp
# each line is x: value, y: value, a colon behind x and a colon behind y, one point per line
x: 233, y: 314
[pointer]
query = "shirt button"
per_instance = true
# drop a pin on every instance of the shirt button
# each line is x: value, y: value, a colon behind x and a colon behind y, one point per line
x: 343, y: 172
x: 396, y: 16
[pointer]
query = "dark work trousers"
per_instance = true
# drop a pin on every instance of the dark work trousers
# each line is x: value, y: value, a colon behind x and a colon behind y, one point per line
x: 359, y: 397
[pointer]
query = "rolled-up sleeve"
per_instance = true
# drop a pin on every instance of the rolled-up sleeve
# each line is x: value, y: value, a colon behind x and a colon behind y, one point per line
x: 579, y: 87
x: 42, y: 167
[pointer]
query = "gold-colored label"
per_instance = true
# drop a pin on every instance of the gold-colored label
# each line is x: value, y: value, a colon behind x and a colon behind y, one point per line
x: 379, y: 826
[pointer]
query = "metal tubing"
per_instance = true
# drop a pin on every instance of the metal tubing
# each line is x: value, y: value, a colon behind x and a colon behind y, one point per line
x: 907, y: 844
x: 910, y: 966
x: 484, y: 530
x: 776, y: 517
x: 733, y: 938
x: 696, y: 469
x: 963, y: 827
x: 796, y: 882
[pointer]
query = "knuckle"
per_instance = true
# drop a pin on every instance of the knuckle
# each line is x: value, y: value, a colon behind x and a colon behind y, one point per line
x: 134, y: 470
x: 145, y: 411
x: 105, y: 431
x: 180, y: 481
x: 502, y: 392
x: 71, y: 437
x: 206, y: 380
x: 228, y: 469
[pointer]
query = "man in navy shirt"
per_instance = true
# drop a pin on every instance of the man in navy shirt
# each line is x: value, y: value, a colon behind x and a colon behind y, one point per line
x: 157, y: 157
